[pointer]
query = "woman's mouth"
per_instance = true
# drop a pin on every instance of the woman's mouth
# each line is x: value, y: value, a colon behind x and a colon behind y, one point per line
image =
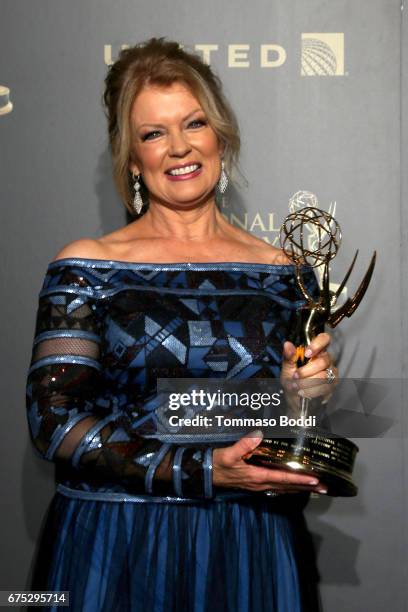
x: 182, y: 173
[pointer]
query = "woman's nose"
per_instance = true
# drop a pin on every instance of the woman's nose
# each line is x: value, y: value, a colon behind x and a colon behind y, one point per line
x: 178, y: 144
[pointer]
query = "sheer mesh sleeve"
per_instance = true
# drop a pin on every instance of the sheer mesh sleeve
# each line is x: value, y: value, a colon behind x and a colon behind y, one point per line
x: 65, y: 378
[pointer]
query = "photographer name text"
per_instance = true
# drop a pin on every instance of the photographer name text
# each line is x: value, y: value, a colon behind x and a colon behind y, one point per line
x: 200, y: 420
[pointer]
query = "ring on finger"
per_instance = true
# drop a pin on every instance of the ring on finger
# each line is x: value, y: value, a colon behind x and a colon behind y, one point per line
x: 271, y: 493
x: 330, y: 375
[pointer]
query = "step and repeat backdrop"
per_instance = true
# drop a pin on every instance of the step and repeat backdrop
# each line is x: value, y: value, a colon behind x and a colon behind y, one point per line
x: 316, y: 87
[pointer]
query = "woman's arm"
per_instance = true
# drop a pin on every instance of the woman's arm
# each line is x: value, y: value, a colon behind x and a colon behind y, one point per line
x: 68, y: 419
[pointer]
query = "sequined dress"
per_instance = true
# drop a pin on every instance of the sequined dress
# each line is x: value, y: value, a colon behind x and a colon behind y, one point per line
x: 116, y: 536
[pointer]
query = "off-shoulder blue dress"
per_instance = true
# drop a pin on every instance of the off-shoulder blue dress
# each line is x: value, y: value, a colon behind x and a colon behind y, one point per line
x: 116, y: 536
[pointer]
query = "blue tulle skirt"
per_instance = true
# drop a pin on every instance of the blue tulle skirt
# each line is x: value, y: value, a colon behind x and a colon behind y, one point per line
x: 236, y: 556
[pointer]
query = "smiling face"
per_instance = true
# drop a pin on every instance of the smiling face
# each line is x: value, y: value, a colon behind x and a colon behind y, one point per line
x: 174, y: 147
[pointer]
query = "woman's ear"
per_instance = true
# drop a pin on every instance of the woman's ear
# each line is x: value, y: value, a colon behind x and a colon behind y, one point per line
x: 221, y: 148
x: 133, y: 165
x: 134, y: 168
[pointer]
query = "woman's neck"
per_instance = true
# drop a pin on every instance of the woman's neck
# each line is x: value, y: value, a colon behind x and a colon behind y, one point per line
x: 198, y: 224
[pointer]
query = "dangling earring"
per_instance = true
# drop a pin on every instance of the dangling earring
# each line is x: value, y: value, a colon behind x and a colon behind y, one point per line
x: 137, y: 202
x: 223, y: 181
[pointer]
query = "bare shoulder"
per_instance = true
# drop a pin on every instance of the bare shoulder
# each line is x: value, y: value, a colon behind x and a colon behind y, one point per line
x: 272, y: 255
x: 265, y: 252
x: 278, y: 256
x: 261, y: 251
x: 87, y: 248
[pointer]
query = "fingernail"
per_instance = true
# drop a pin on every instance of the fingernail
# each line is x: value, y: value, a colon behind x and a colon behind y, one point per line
x: 314, y: 481
x: 322, y: 490
x: 308, y: 352
x: 296, y: 375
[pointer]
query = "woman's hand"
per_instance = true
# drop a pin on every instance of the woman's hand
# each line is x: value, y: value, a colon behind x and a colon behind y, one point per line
x: 230, y: 470
x: 311, y: 379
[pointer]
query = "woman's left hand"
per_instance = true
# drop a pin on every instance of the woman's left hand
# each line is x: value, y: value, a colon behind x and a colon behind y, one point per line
x: 311, y: 379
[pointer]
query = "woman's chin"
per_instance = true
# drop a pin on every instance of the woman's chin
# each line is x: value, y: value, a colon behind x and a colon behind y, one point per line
x: 187, y: 201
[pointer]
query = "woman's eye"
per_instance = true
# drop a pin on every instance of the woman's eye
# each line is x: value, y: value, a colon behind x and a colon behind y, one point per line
x: 151, y: 135
x: 196, y: 123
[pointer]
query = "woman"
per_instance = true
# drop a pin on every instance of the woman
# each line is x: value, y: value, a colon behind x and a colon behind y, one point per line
x: 139, y: 522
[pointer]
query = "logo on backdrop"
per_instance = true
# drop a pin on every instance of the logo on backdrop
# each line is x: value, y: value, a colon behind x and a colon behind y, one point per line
x: 302, y: 199
x: 5, y: 105
x: 322, y: 54
x: 266, y: 225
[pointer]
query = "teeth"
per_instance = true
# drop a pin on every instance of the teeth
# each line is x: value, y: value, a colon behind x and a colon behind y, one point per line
x: 185, y: 170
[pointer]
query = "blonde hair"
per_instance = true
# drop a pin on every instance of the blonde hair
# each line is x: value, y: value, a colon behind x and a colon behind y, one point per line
x: 161, y: 62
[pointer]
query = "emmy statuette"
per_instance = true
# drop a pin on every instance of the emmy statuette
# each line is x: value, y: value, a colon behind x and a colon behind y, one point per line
x: 313, y: 450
